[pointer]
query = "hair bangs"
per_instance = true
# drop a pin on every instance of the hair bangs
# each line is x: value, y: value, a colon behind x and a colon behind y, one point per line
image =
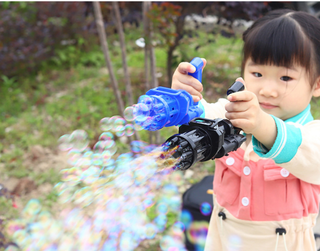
x: 280, y: 42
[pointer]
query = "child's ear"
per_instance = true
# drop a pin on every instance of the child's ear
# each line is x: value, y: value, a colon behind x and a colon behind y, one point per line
x: 316, y: 88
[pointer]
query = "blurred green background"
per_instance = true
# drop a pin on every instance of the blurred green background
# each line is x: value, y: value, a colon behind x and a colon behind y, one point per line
x: 54, y: 80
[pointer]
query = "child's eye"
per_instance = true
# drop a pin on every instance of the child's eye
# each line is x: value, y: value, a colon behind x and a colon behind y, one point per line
x: 257, y: 74
x: 285, y: 78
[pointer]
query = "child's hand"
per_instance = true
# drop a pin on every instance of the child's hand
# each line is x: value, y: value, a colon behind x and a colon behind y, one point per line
x: 181, y: 80
x: 244, y: 110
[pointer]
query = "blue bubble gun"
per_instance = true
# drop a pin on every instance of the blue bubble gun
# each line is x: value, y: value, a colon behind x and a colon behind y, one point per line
x: 163, y: 107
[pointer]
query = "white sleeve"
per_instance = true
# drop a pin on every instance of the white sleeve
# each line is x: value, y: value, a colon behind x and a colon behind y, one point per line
x: 305, y: 164
x: 214, y: 110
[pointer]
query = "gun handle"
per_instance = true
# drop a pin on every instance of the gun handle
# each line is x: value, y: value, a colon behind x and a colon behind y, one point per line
x: 198, y: 63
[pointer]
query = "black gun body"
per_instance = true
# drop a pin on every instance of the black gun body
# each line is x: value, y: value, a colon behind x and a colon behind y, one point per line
x: 204, y: 139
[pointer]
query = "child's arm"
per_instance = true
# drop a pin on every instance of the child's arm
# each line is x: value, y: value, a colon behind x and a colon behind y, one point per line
x: 244, y: 112
x: 291, y: 145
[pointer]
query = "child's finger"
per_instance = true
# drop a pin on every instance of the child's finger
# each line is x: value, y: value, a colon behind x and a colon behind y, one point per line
x: 240, y: 96
x: 191, y: 81
x: 185, y: 68
x: 240, y: 79
x: 192, y: 91
x: 204, y: 62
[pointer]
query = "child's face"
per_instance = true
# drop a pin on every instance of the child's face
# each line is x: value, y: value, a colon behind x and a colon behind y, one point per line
x: 282, y: 92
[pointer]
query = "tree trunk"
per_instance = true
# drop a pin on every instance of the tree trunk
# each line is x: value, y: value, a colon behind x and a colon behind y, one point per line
x: 150, y: 60
x: 146, y: 27
x: 179, y: 26
x: 115, y: 6
x: 104, y: 45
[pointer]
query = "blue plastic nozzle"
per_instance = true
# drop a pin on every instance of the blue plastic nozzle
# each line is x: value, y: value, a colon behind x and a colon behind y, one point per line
x: 164, y: 107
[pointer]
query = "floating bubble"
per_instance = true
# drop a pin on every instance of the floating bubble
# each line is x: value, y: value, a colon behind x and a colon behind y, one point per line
x: 11, y: 247
x: 161, y: 221
x: 66, y: 195
x: 31, y: 209
x: 138, y: 146
x: 162, y: 208
x: 112, y: 121
x: 79, y: 140
x: 205, y: 208
x: 119, y: 124
x: 147, y: 100
x: 105, y: 136
x: 141, y: 112
x: 148, y: 121
x: 21, y: 237
x: 105, y: 145
x: 70, y: 174
x: 97, y: 159
x: 64, y: 143
x: 83, y: 196
x: 151, y: 230
x: 105, y: 124
x: 45, y: 219
x: 90, y: 175
x: 123, y: 181
x: 112, y: 148
x: 73, y: 157
x: 197, y: 232
x: 124, y: 158
x: 129, y: 130
x: 120, y: 133
x: 110, y: 245
x: 136, y: 126
x: 73, y: 219
x: 110, y: 165
x: 59, y: 187
x: 166, y: 242
x: 128, y: 113
x: 186, y: 218
x: 105, y: 156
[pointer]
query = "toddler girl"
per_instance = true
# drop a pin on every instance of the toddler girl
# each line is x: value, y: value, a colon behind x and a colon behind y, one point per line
x: 266, y: 194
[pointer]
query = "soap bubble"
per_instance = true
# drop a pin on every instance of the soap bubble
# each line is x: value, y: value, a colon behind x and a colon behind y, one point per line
x: 141, y: 112
x: 105, y: 124
x: 138, y: 146
x: 129, y: 130
x: 148, y: 121
x: 121, y: 132
x: 97, y: 159
x: 106, y: 136
x: 205, y: 208
x: 151, y: 230
x: 73, y: 157
x: 79, y: 140
x: 128, y: 113
x: 136, y: 126
x: 101, y: 146
x: 83, y: 196
x: 112, y: 120
x: 147, y: 100
x: 64, y: 143
x: 119, y: 124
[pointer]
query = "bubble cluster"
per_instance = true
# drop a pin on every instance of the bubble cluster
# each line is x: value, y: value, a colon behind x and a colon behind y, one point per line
x: 144, y: 113
x: 116, y: 124
x: 107, y: 200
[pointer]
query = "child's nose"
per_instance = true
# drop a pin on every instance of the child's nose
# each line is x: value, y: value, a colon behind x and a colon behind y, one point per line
x: 269, y: 89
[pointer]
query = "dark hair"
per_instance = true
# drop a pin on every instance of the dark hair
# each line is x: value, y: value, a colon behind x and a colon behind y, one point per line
x: 284, y: 37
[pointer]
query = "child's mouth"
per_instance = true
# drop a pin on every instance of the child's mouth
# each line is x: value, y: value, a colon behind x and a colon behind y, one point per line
x: 267, y: 106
